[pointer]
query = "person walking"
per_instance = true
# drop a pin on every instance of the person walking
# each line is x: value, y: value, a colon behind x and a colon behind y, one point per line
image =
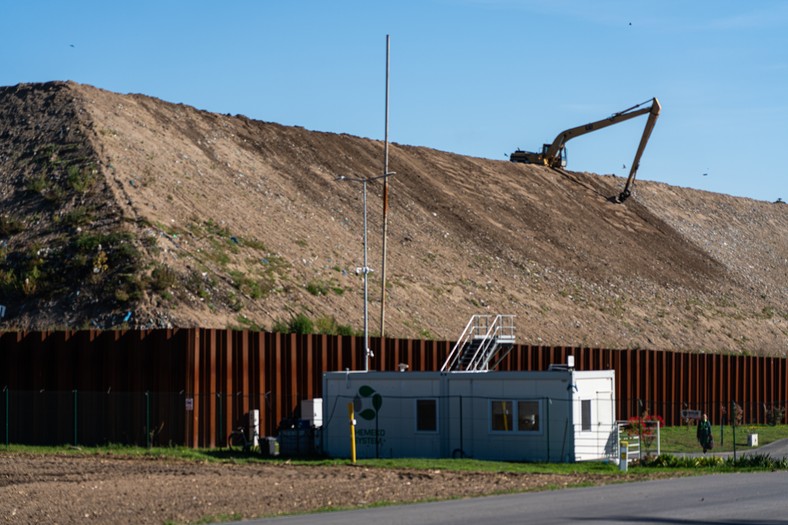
x: 705, y: 437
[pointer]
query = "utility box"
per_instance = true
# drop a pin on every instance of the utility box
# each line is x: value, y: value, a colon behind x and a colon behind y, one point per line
x: 296, y: 438
x: 269, y: 447
x: 312, y: 411
x: 254, y: 427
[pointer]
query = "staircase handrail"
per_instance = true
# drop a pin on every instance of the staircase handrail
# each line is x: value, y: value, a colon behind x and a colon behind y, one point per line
x: 476, y: 364
x: 486, y: 330
x: 497, y: 331
x: 454, y: 355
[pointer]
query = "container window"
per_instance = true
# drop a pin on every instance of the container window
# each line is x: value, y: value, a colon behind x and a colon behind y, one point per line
x: 502, y: 416
x: 585, y: 414
x: 528, y: 416
x: 426, y: 415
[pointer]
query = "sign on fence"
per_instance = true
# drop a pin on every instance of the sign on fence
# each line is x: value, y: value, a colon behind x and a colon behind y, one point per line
x: 691, y: 414
x: 189, y: 404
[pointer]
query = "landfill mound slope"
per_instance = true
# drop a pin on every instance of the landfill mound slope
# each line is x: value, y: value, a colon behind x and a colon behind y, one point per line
x: 125, y: 210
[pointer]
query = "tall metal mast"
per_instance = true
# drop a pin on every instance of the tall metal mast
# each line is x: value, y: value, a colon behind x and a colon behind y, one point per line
x: 385, y: 203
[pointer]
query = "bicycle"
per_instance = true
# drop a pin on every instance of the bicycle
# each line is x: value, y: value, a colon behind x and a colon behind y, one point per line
x: 237, y: 440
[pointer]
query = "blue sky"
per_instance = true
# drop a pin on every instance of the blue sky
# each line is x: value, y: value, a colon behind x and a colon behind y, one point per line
x: 475, y: 77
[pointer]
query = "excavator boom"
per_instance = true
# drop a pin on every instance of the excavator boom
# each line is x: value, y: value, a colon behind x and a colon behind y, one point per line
x: 652, y: 120
x: 554, y: 154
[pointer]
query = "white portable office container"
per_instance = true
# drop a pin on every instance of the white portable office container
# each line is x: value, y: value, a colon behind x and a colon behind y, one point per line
x: 559, y: 415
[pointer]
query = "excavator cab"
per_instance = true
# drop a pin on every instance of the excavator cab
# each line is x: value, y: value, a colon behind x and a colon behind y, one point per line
x: 559, y: 160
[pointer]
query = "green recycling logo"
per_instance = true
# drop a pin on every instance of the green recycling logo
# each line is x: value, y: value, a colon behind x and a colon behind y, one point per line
x: 366, y: 393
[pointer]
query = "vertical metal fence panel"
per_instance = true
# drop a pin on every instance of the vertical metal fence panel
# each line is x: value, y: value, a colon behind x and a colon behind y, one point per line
x: 693, y: 380
x: 767, y: 384
x: 278, y: 372
x: 242, y: 340
x: 620, y: 396
x: 306, y: 370
x: 702, y: 383
x: 257, y: 369
x: 657, y: 393
x: 679, y: 378
x: 674, y: 415
x: 630, y: 393
x: 722, y: 382
x: 783, y: 391
x: 705, y: 383
x: 773, y: 381
x: 736, y: 379
x: 192, y: 378
x: 749, y: 387
x: 754, y: 409
x: 646, y: 373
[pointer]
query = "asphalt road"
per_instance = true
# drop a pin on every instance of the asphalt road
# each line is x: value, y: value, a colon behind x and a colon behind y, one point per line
x: 721, y: 499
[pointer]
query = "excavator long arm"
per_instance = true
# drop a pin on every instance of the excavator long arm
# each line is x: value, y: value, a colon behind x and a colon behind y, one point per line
x: 553, y: 155
x: 622, y: 116
x: 652, y: 120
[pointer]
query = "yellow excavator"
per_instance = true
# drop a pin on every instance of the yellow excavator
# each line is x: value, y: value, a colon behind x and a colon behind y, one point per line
x: 554, y: 155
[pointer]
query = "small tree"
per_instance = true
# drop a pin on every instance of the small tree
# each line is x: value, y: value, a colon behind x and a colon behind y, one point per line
x: 774, y: 414
x: 644, y: 427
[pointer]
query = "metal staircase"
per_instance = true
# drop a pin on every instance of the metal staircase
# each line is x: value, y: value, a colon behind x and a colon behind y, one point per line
x: 485, y: 337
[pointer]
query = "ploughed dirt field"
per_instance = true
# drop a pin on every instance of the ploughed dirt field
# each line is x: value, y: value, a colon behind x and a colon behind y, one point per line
x: 100, y: 488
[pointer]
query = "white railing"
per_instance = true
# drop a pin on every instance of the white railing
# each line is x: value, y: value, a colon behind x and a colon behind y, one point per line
x: 633, y: 439
x: 486, y: 332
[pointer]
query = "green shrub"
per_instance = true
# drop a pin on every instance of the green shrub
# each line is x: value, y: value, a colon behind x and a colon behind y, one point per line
x: 215, y: 229
x: 80, y: 179
x: 248, y: 324
x: 129, y: 288
x: 37, y: 184
x: 317, y: 288
x: 345, y: 329
x: 162, y: 278
x: 298, y: 324
x: 77, y: 217
x: 30, y: 280
x: 328, y: 325
x: 749, y: 461
x: 759, y: 461
x: 301, y: 324
x: 247, y: 285
x: 9, y: 284
x: 774, y: 414
x: 10, y: 226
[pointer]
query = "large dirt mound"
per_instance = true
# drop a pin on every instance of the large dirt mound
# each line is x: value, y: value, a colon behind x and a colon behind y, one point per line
x: 127, y: 210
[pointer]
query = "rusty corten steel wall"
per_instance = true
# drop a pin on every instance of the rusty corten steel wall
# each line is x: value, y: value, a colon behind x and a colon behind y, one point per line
x: 230, y: 373
x: 203, y: 381
x: 94, y: 380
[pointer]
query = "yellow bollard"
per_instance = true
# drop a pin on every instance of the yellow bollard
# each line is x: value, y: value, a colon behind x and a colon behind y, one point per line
x: 352, y: 417
x: 623, y: 463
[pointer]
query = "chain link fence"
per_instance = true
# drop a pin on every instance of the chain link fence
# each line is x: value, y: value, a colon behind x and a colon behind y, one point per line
x: 89, y: 418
